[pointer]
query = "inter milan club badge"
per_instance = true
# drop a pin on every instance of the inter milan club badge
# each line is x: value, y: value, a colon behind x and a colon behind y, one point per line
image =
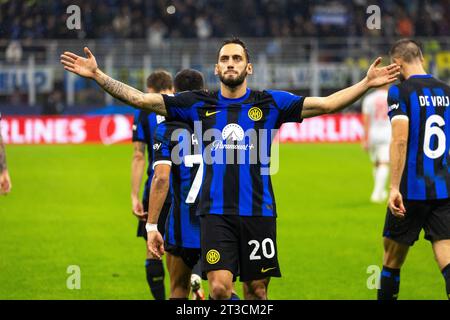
x: 255, y: 114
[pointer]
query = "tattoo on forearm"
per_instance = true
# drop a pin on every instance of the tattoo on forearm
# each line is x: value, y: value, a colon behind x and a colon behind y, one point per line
x: 123, y: 92
x: 129, y: 95
x: 139, y: 147
x: 2, y: 156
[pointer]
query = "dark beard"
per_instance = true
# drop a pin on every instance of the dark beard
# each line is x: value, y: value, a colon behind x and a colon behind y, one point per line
x: 233, y: 83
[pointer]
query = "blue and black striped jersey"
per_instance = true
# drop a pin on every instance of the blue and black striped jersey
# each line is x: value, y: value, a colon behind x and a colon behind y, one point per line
x: 236, y: 137
x: 144, y: 127
x: 176, y: 145
x: 424, y: 101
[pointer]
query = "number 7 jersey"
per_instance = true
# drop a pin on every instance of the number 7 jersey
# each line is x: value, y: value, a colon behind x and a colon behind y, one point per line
x: 424, y: 101
x: 176, y: 145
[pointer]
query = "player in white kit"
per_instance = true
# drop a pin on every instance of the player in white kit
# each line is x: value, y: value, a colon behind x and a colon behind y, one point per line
x: 377, y: 136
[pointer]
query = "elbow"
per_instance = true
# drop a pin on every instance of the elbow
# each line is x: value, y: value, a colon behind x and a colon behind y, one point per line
x: 400, y: 142
x: 326, y: 107
x: 160, y: 181
x: 138, y: 157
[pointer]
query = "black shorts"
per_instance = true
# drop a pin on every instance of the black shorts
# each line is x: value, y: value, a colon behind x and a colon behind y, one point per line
x: 141, y: 232
x: 190, y: 256
x: 431, y: 215
x: 246, y: 246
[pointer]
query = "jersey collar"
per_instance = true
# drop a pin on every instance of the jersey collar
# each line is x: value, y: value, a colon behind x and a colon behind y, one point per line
x: 421, y: 76
x: 235, y: 100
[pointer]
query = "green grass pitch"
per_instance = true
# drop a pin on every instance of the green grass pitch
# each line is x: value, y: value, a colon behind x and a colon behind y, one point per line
x: 70, y: 205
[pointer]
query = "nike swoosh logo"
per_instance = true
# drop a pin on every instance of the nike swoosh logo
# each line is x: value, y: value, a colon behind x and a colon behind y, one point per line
x: 211, y: 113
x: 268, y: 269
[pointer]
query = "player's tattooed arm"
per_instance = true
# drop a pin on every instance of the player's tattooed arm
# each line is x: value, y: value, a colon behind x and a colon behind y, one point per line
x: 376, y: 77
x: 88, y: 68
x: 152, y: 102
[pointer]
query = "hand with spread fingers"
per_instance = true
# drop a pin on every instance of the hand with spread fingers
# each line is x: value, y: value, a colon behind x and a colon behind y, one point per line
x: 85, y: 67
x: 379, y: 76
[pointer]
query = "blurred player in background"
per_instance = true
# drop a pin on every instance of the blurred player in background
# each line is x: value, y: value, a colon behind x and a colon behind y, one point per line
x: 182, y: 236
x: 144, y: 126
x: 5, y: 180
x: 419, y: 109
x: 377, y: 135
x: 237, y: 205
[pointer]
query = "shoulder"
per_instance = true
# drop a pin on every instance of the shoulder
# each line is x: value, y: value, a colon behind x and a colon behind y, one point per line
x: 440, y: 83
x: 394, y: 90
x: 282, y: 98
x: 166, y: 128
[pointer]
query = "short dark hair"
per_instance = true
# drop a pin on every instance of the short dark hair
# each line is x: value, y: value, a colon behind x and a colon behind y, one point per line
x: 234, y: 40
x: 407, y: 49
x: 188, y: 79
x: 160, y: 80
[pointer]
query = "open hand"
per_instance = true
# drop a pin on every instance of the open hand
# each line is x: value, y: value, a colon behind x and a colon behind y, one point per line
x: 379, y: 76
x: 85, y: 67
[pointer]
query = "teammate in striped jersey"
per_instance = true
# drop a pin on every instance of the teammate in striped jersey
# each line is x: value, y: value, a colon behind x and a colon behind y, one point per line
x: 182, y: 235
x: 419, y: 110
x: 236, y: 205
x: 144, y: 126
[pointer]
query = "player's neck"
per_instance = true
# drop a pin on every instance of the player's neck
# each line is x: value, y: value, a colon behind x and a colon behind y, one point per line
x: 233, y: 93
x: 411, y: 70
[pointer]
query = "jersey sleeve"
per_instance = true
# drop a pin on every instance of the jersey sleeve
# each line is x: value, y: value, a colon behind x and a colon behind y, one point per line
x: 161, y: 146
x: 290, y: 106
x: 396, y: 106
x: 179, y: 106
x: 139, y: 127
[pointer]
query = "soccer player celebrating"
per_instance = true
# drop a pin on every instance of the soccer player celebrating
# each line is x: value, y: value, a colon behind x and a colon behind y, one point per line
x: 144, y: 126
x: 236, y: 202
x: 5, y: 180
x: 377, y: 135
x: 182, y: 236
x: 419, y: 110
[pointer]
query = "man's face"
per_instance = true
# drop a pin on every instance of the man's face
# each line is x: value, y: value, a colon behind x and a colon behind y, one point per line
x: 232, y: 67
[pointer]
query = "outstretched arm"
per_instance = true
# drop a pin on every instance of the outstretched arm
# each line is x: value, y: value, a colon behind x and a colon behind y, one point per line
x: 376, y: 77
x: 88, y: 68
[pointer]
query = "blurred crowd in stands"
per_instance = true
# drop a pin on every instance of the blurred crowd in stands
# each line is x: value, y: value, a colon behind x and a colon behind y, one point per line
x: 152, y: 21
x: 160, y: 19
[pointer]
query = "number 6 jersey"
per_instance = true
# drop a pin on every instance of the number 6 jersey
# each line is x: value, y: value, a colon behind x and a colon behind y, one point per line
x: 424, y: 101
